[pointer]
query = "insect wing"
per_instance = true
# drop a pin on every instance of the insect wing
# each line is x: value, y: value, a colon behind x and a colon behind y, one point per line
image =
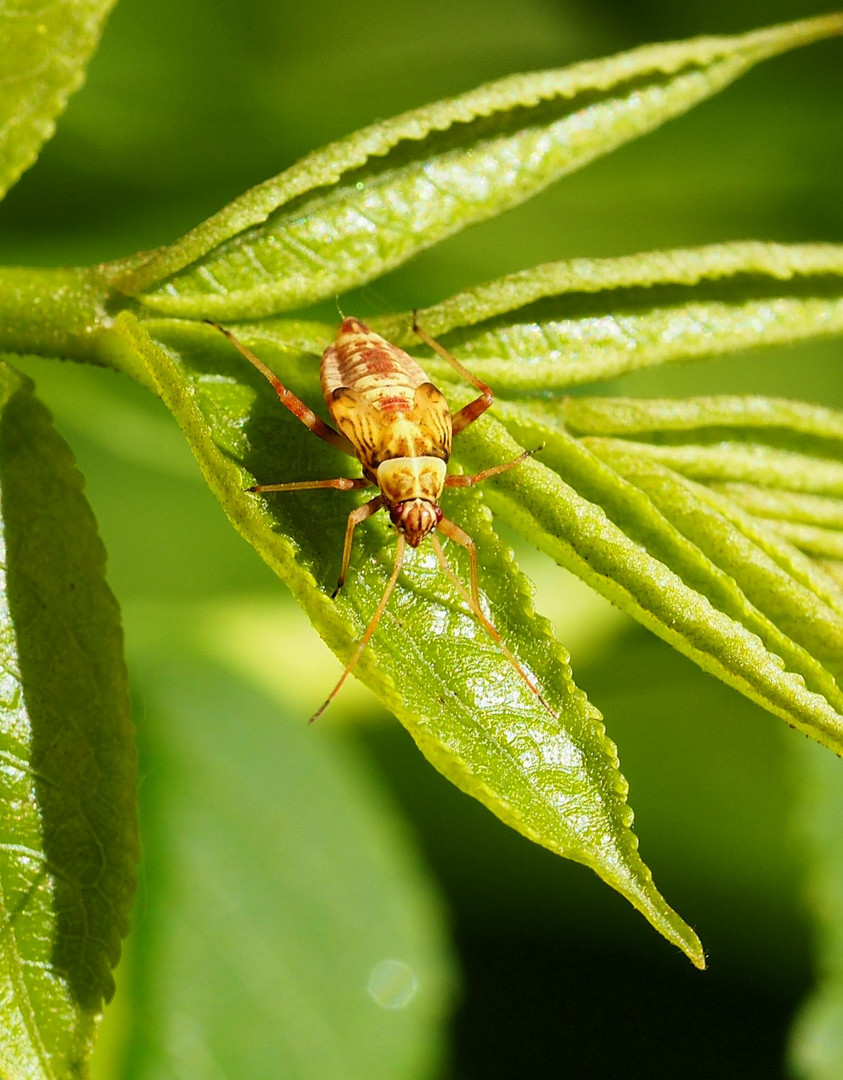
x: 361, y: 423
x: 381, y: 399
x: 432, y: 416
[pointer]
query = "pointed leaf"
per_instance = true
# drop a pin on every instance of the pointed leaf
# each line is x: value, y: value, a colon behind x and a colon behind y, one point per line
x: 579, y: 321
x: 771, y: 441
x: 68, y: 846
x: 552, y: 776
x: 704, y: 518
x: 619, y: 540
x: 45, y: 48
x: 353, y: 210
x: 704, y: 418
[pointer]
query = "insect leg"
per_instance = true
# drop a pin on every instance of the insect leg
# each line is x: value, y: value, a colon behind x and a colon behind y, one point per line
x: 461, y: 537
x: 470, y: 412
x: 354, y: 518
x: 487, y: 625
x: 288, y: 399
x: 342, y: 483
x: 456, y: 480
x: 370, y: 629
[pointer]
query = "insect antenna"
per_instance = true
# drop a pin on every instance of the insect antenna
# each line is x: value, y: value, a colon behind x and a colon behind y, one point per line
x: 487, y: 625
x: 370, y: 629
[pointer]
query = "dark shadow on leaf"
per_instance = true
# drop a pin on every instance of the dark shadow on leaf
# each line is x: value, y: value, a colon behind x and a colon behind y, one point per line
x: 74, y: 702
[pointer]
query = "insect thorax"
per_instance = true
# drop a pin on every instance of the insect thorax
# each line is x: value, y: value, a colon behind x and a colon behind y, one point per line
x: 404, y: 478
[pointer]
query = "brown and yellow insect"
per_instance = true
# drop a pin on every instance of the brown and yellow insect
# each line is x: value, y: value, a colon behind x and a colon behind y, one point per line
x: 398, y: 425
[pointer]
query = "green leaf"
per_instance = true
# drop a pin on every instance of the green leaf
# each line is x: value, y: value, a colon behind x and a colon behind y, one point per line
x: 640, y: 518
x: 350, y: 212
x: 817, y: 1040
x: 735, y: 460
x: 68, y: 847
x: 766, y: 455
x: 287, y: 883
x: 784, y: 506
x: 552, y: 776
x: 821, y: 543
x: 45, y: 48
x: 706, y: 418
x: 563, y: 324
x: 659, y: 551
x: 568, y: 323
x: 811, y: 523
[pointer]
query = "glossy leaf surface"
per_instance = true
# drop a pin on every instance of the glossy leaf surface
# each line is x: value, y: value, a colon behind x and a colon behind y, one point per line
x: 564, y: 324
x: 68, y: 847
x: 635, y: 497
x: 551, y: 775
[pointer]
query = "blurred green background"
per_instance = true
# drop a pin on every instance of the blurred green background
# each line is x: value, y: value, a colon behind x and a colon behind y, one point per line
x: 186, y: 105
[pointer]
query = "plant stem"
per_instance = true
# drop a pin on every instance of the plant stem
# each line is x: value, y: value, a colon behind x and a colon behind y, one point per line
x: 58, y: 313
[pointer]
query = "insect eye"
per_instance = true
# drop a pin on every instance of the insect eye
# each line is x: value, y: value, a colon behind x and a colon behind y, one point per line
x: 437, y: 509
x: 395, y: 512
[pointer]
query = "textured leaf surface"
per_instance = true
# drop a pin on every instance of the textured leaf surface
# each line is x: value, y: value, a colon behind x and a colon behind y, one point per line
x: 578, y: 321
x: 634, y: 494
x: 554, y: 778
x: 682, y: 559
x: 287, y: 884
x: 44, y: 49
x: 565, y: 324
x: 68, y: 844
x: 357, y: 208
x: 638, y: 503
x: 817, y: 1042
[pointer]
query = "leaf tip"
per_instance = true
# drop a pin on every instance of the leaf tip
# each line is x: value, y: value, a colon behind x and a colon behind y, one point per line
x: 696, y: 954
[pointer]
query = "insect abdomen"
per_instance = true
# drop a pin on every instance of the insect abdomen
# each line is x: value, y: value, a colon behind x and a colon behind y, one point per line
x: 380, y: 372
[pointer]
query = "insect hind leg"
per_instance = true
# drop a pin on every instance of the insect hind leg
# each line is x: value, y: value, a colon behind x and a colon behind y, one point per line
x: 473, y: 602
x: 341, y: 483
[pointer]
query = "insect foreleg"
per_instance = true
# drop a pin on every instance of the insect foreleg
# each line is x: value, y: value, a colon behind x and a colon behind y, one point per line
x: 288, y: 399
x: 470, y: 412
x: 461, y: 537
x: 373, y: 624
x: 354, y: 518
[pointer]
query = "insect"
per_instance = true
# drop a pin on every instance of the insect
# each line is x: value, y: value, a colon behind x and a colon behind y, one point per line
x: 398, y: 425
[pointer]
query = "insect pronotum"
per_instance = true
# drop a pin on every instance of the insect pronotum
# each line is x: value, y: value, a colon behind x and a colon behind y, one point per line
x: 398, y: 425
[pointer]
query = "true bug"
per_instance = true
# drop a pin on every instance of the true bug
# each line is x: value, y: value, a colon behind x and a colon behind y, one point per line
x: 398, y: 425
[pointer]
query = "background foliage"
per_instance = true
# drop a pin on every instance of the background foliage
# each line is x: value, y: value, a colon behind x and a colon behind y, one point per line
x: 184, y: 108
